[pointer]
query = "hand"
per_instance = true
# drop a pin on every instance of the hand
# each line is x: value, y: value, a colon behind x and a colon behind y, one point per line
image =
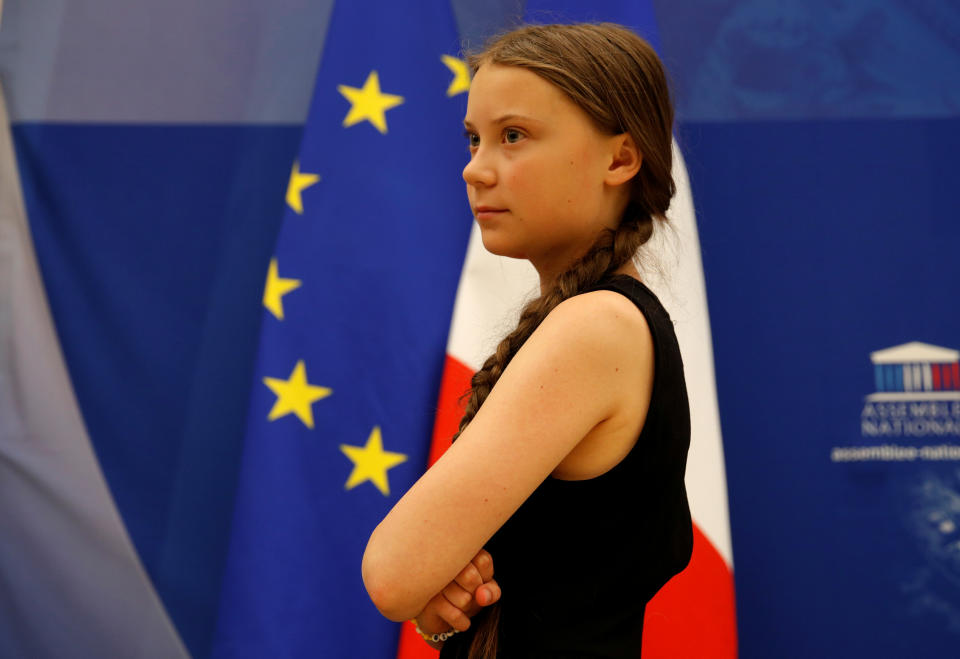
x: 462, y: 598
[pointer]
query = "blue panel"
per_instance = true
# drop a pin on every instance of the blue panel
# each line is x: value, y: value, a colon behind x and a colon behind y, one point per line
x: 792, y: 59
x: 638, y: 16
x: 153, y: 242
x: 804, y: 228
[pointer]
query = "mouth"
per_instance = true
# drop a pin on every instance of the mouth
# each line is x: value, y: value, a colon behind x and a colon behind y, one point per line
x: 487, y: 212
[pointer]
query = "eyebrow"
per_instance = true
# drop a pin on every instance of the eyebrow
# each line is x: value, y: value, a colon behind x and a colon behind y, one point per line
x: 504, y: 119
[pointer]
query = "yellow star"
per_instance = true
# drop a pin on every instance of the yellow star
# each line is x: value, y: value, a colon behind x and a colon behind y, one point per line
x: 461, y: 75
x: 298, y: 183
x: 276, y: 288
x: 295, y: 395
x: 371, y: 462
x: 369, y: 103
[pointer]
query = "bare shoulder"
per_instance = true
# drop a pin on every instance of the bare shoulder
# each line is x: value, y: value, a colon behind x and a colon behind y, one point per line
x: 595, y: 347
x: 614, y: 342
x: 603, y: 319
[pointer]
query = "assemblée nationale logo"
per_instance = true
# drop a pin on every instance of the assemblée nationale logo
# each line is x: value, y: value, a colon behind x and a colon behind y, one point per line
x: 917, y: 392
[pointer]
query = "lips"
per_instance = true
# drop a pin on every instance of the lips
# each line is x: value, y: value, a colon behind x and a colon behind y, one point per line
x: 488, y: 212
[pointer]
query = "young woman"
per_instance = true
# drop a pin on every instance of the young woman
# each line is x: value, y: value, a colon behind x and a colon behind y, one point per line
x: 568, y: 467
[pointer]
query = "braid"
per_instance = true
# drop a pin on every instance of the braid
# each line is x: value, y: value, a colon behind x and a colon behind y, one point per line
x: 612, y: 249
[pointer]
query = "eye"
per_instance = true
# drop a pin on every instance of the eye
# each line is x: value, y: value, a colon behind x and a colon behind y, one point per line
x: 512, y: 135
x: 473, y: 140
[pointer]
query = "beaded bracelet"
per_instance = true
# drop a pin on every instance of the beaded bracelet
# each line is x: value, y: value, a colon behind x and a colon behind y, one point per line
x: 436, y: 638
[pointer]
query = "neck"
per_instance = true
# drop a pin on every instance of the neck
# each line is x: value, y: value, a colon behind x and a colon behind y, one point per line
x: 548, y: 277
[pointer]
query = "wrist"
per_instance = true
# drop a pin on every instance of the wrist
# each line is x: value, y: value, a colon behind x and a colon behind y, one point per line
x: 438, y: 637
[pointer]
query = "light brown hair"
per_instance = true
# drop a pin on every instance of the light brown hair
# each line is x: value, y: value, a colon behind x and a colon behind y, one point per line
x: 618, y: 80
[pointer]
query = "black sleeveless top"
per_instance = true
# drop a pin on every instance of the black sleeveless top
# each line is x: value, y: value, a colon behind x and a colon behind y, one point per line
x: 579, y: 560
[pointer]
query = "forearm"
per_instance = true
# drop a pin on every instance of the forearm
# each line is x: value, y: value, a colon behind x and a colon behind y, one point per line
x: 424, y: 542
x: 400, y: 583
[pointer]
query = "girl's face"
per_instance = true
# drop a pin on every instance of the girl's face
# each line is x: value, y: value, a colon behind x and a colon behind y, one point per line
x: 539, y: 177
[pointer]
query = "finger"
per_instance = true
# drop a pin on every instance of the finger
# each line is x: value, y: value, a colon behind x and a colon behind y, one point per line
x: 429, y: 619
x: 483, y: 561
x: 457, y: 596
x: 488, y: 593
x: 453, y: 616
x: 469, y: 578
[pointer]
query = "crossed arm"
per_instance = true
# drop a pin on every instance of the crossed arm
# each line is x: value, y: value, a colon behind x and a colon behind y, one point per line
x: 568, y: 378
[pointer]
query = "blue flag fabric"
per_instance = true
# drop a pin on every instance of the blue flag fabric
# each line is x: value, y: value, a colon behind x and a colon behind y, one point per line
x: 358, y: 302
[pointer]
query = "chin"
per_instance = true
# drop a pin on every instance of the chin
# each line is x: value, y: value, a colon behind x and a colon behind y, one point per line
x: 497, y: 245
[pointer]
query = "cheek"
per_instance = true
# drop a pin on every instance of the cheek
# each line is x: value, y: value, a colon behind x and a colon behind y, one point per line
x: 517, y: 182
x: 533, y: 183
x: 584, y: 169
x: 568, y: 167
x: 581, y: 166
x: 568, y: 187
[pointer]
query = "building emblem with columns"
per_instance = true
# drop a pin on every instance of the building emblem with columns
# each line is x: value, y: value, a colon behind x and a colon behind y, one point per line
x: 916, y: 371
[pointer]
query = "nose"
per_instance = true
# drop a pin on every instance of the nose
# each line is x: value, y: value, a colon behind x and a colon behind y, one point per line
x: 479, y: 171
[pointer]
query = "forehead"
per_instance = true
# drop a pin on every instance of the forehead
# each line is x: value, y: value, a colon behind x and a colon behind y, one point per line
x: 510, y: 90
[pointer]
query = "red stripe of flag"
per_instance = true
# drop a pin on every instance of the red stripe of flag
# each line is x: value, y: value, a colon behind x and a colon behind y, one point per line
x: 455, y: 381
x: 694, y: 615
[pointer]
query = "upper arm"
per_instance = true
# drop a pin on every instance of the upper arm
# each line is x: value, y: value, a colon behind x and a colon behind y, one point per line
x: 564, y: 381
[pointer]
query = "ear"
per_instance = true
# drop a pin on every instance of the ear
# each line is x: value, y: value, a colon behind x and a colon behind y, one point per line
x: 625, y: 160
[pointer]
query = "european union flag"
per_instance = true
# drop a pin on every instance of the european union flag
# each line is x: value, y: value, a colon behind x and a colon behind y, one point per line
x: 357, y: 303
